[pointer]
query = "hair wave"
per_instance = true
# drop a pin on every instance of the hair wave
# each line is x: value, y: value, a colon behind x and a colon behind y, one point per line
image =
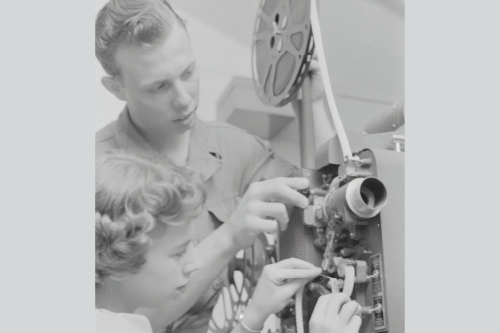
x: 133, y: 194
x: 146, y: 22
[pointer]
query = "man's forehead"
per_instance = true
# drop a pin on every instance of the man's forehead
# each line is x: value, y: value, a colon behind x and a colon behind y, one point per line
x: 168, y: 57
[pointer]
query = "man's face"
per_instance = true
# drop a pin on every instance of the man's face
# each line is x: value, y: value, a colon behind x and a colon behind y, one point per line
x: 160, y: 84
x: 170, y: 261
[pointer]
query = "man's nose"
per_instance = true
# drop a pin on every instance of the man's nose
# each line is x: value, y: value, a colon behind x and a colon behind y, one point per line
x: 182, y: 98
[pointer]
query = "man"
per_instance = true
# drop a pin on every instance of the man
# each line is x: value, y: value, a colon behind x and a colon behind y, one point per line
x: 144, y: 48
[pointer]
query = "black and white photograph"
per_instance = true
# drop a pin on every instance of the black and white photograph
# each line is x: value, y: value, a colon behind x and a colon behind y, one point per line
x: 262, y: 166
x: 250, y: 160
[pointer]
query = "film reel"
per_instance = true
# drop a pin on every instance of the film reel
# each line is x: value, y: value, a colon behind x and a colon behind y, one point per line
x: 243, y: 272
x: 282, y: 49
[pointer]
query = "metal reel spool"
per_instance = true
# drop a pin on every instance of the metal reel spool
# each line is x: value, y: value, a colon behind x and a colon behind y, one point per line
x: 282, y: 49
x: 244, y: 272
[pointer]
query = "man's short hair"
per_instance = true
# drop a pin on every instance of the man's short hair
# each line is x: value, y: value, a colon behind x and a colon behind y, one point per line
x: 145, y: 22
x: 134, y: 195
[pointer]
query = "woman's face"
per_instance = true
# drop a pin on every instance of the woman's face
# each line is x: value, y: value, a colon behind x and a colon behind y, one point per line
x: 169, y: 262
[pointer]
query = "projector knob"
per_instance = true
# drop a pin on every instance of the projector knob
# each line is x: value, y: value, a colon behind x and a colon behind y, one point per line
x: 367, y: 310
x: 305, y: 192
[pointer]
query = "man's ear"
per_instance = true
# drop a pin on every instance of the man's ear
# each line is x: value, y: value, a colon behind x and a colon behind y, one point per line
x: 114, y: 86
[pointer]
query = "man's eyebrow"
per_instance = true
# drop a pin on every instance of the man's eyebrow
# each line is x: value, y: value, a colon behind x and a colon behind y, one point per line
x: 191, y: 65
x: 156, y: 82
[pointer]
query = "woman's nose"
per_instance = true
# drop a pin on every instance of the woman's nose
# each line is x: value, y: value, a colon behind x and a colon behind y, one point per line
x: 192, y: 263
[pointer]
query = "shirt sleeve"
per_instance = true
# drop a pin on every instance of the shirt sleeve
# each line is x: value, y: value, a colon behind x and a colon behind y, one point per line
x: 261, y: 163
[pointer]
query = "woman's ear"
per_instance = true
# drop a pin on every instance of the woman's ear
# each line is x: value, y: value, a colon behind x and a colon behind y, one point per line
x: 114, y: 86
x: 118, y: 276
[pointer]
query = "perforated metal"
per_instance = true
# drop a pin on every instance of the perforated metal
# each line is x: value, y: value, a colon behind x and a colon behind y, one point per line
x: 293, y: 241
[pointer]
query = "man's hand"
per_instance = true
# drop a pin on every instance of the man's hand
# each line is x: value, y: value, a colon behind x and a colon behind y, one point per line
x: 277, y: 284
x: 335, y: 313
x: 262, y: 208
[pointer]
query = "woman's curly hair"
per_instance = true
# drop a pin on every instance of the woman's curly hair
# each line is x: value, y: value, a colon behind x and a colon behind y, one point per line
x: 133, y: 193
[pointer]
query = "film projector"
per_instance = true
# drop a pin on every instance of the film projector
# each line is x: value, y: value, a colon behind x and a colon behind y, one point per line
x: 354, y: 225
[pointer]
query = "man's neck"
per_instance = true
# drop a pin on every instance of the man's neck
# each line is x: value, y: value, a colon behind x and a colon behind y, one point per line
x: 174, y: 146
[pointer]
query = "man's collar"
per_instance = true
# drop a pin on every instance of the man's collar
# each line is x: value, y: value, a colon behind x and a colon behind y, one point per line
x: 127, y: 135
x: 204, y: 154
x: 201, y: 134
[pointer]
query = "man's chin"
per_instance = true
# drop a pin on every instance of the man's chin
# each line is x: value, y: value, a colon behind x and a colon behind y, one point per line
x: 185, y: 124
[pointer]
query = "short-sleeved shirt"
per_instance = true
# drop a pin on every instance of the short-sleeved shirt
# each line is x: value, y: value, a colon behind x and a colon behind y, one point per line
x: 111, y: 322
x: 228, y: 160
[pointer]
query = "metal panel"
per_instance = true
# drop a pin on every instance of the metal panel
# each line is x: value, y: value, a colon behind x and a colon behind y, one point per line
x: 391, y: 171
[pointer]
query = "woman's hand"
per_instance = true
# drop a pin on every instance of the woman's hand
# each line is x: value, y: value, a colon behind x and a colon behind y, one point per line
x: 278, y: 283
x: 335, y: 313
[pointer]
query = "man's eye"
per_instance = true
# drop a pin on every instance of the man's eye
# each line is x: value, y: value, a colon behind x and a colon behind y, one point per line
x: 160, y: 87
x: 188, y: 74
x: 181, y: 254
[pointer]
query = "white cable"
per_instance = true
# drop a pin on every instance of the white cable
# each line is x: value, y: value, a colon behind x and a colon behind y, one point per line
x: 348, y: 280
x: 299, y: 321
x: 344, y: 144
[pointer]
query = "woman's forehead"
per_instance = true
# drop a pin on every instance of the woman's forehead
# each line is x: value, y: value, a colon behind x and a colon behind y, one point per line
x: 172, y: 236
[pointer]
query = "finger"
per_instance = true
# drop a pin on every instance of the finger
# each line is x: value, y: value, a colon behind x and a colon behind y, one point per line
x: 348, y: 310
x: 272, y: 209
x: 259, y: 225
x: 290, y: 288
x: 294, y: 263
x: 297, y: 183
x: 354, y: 325
x: 296, y: 273
x: 336, y: 302
x: 321, y: 307
x: 282, y: 190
